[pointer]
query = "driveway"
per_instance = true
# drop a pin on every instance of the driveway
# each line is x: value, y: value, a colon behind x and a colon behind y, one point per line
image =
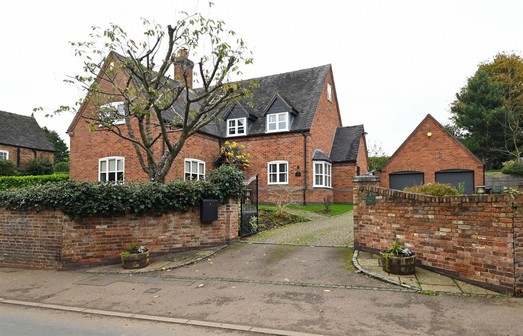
x: 322, y: 231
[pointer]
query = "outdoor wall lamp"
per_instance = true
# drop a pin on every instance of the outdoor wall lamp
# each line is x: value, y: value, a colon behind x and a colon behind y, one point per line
x: 429, y: 134
x: 298, y: 172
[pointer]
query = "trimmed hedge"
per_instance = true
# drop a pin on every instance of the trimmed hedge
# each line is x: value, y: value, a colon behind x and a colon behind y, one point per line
x: 10, y: 182
x: 84, y: 199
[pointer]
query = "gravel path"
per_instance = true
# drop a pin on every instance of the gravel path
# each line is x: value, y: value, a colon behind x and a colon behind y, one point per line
x: 326, y: 231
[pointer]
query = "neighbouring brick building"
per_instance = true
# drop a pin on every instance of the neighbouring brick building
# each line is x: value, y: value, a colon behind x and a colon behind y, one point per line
x: 22, y: 139
x: 291, y: 127
x: 431, y: 154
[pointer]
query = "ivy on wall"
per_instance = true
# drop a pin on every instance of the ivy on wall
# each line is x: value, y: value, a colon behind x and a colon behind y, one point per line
x: 84, y: 199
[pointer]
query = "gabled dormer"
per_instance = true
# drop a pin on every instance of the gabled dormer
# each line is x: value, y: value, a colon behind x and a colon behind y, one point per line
x: 238, y: 121
x: 279, y: 115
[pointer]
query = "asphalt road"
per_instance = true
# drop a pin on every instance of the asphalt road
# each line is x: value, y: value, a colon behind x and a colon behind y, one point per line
x: 25, y: 321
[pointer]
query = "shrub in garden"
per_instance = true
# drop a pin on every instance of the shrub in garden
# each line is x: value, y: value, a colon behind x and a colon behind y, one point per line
x: 512, y: 167
x: 61, y: 167
x: 7, y: 168
x: 38, y: 166
x: 434, y: 189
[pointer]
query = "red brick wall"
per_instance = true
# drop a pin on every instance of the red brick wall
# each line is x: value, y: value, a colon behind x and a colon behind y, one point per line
x: 30, y: 239
x: 467, y: 237
x: 25, y: 155
x: 342, y: 184
x: 49, y: 239
x: 326, y: 120
x: 427, y: 154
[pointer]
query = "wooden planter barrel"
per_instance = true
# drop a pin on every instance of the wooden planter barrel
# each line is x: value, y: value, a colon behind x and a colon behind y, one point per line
x: 399, y: 265
x: 135, y: 260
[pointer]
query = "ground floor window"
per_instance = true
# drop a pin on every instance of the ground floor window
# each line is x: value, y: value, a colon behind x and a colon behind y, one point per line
x: 194, y: 169
x: 4, y: 155
x: 111, y: 169
x: 322, y: 174
x: 278, y: 172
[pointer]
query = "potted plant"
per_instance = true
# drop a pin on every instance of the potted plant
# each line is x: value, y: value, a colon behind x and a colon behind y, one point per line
x: 136, y: 256
x: 398, y: 260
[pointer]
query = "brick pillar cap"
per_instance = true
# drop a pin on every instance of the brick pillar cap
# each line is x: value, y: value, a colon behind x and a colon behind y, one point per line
x: 365, y: 178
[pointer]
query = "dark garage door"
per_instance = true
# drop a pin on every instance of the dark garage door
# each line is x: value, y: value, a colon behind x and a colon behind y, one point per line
x: 455, y: 177
x: 401, y: 180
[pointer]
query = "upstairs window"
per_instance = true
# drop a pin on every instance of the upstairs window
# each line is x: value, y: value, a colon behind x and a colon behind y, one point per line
x: 113, y: 113
x: 237, y: 127
x: 4, y: 155
x: 329, y: 92
x: 322, y: 174
x: 278, y: 172
x: 111, y: 170
x: 194, y: 169
x: 278, y: 122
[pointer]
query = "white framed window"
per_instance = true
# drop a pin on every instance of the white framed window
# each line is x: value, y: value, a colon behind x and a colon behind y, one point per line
x: 236, y: 127
x: 194, y: 169
x: 4, y: 155
x: 113, y: 113
x: 277, y: 122
x: 329, y: 92
x: 322, y: 174
x: 278, y: 172
x: 111, y: 169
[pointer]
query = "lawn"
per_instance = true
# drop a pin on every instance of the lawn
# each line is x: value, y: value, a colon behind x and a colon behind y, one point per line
x: 335, y: 209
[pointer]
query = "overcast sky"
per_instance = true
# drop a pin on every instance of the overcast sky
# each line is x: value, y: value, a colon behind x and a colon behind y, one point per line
x: 394, y: 62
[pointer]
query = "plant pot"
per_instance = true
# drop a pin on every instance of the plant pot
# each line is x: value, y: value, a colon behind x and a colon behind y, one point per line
x: 135, y: 260
x: 399, y: 265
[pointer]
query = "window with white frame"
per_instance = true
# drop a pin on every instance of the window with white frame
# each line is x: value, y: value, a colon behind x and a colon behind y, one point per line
x: 277, y: 122
x: 113, y: 113
x: 4, y: 155
x: 237, y: 127
x: 194, y: 169
x: 111, y: 169
x: 329, y: 92
x: 322, y: 174
x: 278, y: 172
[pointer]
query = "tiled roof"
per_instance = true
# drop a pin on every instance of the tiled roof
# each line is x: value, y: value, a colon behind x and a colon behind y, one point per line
x: 22, y: 131
x: 346, y: 144
x: 299, y: 90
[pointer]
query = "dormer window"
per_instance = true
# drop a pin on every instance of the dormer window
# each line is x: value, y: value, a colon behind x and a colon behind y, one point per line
x: 278, y: 122
x: 113, y: 113
x: 236, y: 127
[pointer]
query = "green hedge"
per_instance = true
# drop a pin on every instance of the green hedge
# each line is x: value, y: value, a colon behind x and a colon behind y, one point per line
x: 434, y: 189
x: 83, y: 199
x: 10, y: 182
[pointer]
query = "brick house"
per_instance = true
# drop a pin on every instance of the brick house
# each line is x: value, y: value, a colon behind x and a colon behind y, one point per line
x: 291, y: 128
x: 22, y: 139
x: 431, y: 154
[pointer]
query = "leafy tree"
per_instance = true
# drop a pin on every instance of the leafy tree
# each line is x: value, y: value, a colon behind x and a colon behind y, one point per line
x: 487, y: 114
x: 160, y: 114
x: 377, y: 157
x: 62, y: 152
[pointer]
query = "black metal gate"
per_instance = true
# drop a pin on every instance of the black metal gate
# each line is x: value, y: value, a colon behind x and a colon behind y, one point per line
x: 249, y: 208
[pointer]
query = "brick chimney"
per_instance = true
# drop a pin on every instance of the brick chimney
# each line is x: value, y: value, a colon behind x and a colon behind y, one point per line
x: 183, y: 66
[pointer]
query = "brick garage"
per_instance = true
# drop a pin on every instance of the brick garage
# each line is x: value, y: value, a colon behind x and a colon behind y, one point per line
x: 430, y: 151
x: 51, y: 240
x: 478, y: 239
